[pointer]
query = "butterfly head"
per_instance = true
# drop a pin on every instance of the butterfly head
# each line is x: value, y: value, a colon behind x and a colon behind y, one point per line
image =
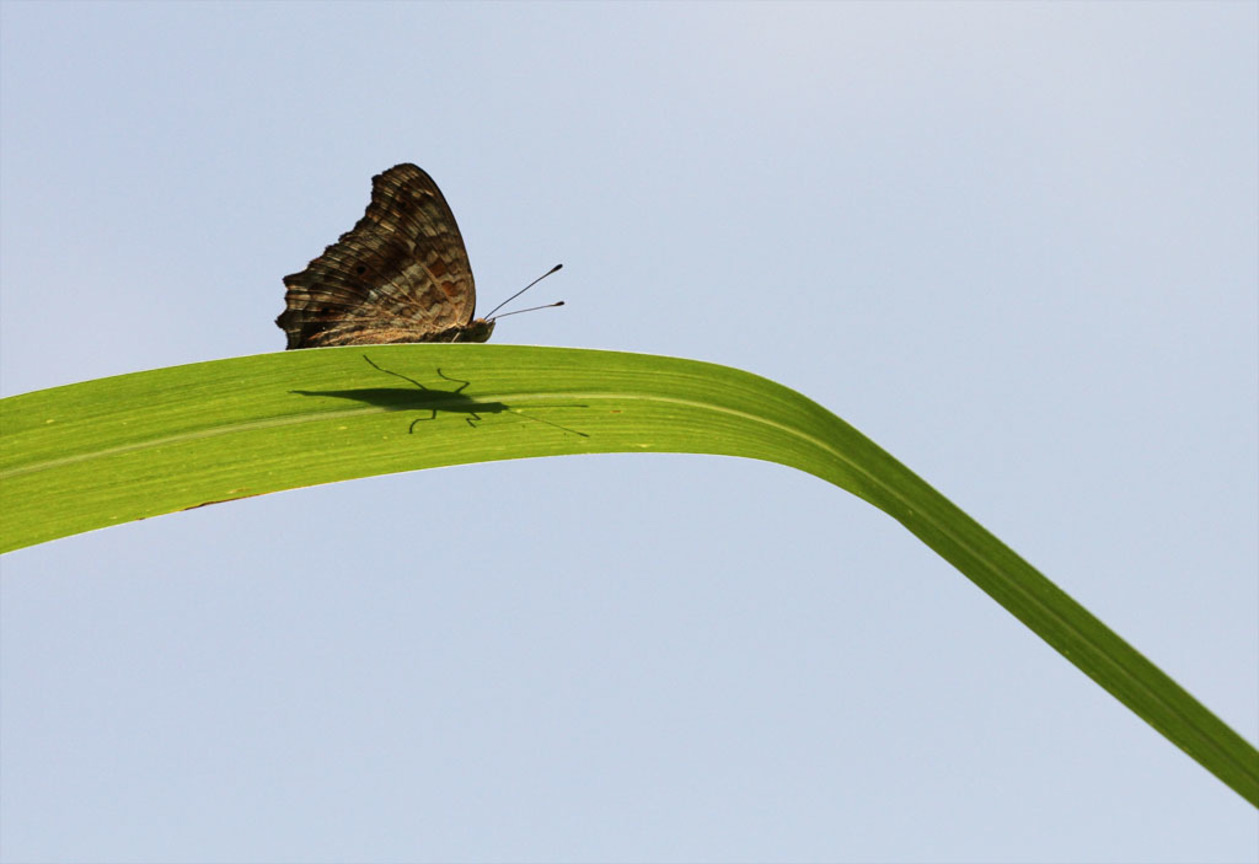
x: 478, y: 330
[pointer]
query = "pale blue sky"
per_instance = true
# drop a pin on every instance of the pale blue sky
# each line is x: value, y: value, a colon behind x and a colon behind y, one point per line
x: 1014, y: 244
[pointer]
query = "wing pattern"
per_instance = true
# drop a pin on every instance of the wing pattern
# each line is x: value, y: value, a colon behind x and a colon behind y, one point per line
x: 401, y: 274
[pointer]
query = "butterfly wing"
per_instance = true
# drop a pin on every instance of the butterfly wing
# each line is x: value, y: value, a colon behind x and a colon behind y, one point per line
x: 400, y: 275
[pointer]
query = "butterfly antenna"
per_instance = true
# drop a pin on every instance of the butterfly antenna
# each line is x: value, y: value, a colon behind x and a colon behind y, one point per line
x: 490, y: 317
x: 530, y: 309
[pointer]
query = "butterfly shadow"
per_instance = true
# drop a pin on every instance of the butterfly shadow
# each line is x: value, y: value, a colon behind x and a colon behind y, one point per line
x: 428, y: 399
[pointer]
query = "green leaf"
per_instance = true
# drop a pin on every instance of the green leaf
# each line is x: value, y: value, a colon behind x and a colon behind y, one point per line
x: 103, y: 452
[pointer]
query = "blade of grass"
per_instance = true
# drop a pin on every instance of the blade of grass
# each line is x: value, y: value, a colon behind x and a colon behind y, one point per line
x: 103, y: 452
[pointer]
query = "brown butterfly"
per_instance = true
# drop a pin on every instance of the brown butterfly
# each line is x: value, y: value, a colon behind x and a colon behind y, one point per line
x: 400, y: 275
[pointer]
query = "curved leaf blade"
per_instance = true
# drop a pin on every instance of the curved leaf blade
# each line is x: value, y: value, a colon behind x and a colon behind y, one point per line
x: 117, y: 449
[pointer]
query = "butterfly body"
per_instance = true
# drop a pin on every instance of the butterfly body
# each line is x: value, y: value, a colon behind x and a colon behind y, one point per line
x: 401, y: 274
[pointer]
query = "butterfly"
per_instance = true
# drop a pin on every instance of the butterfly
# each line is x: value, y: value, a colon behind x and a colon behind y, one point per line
x: 401, y: 274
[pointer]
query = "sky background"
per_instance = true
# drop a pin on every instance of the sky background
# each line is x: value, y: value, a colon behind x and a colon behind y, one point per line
x: 1015, y: 244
